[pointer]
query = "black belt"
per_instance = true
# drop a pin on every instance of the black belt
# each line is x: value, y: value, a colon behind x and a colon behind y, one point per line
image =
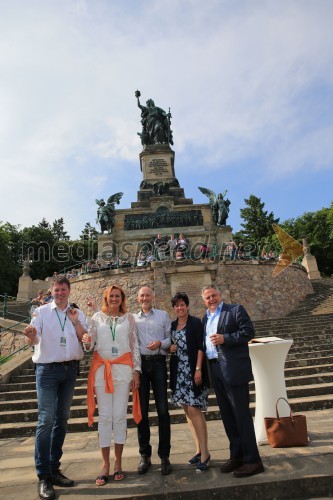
x: 153, y: 357
x: 61, y: 363
x: 214, y: 360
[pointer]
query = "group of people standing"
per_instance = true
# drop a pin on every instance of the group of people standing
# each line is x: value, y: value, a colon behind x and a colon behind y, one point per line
x: 172, y: 248
x: 130, y: 354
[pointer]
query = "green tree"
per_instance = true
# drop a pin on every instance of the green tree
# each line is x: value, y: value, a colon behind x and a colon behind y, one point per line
x: 58, y: 230
x: 257, y: 229
x: 317, y: 227
x: 9, y: 268
x: 44, y: 224
x: 38, y: 243
x: 89, y: 232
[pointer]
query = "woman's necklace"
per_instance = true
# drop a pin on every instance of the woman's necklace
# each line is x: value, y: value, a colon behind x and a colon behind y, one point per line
x: 182, y: 324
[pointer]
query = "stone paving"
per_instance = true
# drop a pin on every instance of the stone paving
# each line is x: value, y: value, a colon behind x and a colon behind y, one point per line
x: 290, y: 472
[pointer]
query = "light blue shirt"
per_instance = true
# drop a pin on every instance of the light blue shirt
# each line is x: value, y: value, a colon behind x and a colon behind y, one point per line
x: 211, y: 329
x: 155, y: 325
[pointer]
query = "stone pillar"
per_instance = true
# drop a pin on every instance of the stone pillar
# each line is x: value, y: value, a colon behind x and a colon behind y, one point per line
x: 310, y: 262
x: 25, y: 288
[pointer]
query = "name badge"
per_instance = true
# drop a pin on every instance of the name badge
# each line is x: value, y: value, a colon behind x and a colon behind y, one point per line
x: 62, y: 340
x: 114, y: 351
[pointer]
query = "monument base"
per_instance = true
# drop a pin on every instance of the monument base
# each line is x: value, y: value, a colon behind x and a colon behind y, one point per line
x: 310, y: 263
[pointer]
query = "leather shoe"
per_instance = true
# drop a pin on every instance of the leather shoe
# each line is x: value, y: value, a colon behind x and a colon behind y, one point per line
x: 59, y: 479
x: 45, y: 489
x: 249, y: 470
x: 231, y: 465
x: 165, y: 466
x: 144, y: 464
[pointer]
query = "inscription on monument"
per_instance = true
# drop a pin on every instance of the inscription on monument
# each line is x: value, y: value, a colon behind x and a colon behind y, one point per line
x: 158, y: 166
x: 163, y: 219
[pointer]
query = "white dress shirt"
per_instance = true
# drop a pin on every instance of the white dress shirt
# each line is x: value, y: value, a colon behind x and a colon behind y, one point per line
x: 56, y: 335
x: 211, y: 329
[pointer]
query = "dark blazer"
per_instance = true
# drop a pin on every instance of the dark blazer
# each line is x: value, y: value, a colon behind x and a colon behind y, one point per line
x: 236, y: 327
x: 194, y: 340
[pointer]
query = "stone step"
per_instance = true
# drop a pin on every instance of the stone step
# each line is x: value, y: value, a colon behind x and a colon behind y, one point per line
x: 301, y: 318
x: 297, y: 351
x: 26, y: 410
x: 176, y: 416
x: 307, y: 370
x: 80, y: 391
x: 294, y: 333
x: 309, y: 361
x: 294, y: 325
x: 293, y: 367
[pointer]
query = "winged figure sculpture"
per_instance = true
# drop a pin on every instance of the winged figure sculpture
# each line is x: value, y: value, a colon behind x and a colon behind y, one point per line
x: 105, y: 212
x: 218, y: 204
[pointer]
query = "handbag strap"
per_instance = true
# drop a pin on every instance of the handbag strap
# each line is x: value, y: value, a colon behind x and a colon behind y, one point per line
x: 276, y: 407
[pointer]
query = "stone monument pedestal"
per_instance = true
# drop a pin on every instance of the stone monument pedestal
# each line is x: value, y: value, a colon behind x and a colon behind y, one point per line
x: 310, y: 263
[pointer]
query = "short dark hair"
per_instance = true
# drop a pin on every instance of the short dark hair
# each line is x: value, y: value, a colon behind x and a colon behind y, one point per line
x: 180, y: 296
x: 61, y: 280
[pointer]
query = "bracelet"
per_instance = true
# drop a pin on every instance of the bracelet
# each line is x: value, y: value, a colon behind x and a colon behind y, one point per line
x: 197, y: 369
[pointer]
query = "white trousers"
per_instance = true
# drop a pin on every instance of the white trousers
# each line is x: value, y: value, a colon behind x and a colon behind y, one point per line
x: 112, y: 414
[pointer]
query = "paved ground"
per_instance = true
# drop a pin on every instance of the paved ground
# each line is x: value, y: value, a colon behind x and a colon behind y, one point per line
x: 290, y: 473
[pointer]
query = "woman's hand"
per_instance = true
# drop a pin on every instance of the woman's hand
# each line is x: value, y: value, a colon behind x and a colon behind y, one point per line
x: 173, y: 348
x: 73, y: 315
x: 86, y: 339
x: 198, y: 377
x: 91, y: 303
x: 136, y: 381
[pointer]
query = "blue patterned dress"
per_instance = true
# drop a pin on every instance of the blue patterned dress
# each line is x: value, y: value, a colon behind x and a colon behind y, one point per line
x: 183, y: 394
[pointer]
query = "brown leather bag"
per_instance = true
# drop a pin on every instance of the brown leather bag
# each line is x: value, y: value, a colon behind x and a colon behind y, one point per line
x: 285, y: 432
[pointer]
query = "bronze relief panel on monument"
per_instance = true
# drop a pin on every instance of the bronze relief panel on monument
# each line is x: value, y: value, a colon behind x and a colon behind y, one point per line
x: 163, y: 218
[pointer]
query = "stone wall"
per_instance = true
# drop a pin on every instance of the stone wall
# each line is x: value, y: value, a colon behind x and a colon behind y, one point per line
x: 248, y: 283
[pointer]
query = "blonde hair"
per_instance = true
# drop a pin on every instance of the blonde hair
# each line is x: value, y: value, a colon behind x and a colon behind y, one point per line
x: 106, y: 293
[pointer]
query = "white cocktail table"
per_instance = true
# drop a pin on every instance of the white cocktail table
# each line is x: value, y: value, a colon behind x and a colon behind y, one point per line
x: 268, y: 360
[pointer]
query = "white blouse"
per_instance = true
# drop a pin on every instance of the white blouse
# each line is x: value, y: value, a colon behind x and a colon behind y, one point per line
x: 111, y: 338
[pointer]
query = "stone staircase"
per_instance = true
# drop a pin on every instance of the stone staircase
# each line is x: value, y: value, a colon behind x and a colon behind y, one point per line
x: 308, y: 372
x: 18, y: 310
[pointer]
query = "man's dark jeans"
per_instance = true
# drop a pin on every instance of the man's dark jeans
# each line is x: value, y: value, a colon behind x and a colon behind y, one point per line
x: 55, y: 388
x: 154, y: 374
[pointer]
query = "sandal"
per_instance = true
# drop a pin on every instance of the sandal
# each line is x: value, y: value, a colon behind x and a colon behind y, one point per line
x: 103, y: 480
x: 119, y: 475
x: 203, y: 466
x: 194, y: 460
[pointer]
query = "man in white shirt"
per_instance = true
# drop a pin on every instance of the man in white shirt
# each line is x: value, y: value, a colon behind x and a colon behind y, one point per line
x: 55, y: 331
x: 154, y: 337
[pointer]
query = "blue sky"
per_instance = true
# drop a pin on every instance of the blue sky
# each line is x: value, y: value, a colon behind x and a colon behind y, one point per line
x: 249, y: 84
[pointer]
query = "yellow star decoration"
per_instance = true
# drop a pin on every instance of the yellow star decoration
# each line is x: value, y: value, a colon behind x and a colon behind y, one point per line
x: 291, y: 250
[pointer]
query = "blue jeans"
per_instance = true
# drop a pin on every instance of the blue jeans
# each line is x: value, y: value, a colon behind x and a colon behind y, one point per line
x: 154, y: 373
x: 55, y: 388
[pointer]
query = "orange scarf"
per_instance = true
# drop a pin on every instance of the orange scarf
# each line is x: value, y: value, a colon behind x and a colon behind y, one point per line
x: 96, y: 362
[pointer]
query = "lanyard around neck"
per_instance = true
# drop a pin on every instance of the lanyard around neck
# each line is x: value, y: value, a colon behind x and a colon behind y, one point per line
x: 62, y: 325
x: 113, y: 327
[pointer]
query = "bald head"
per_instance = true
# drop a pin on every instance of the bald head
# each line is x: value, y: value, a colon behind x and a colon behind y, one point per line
x: 145, y: 298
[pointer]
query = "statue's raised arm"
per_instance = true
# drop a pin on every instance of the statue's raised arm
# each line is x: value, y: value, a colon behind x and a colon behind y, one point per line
x: 155, y: 122
x: 219, y: 206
